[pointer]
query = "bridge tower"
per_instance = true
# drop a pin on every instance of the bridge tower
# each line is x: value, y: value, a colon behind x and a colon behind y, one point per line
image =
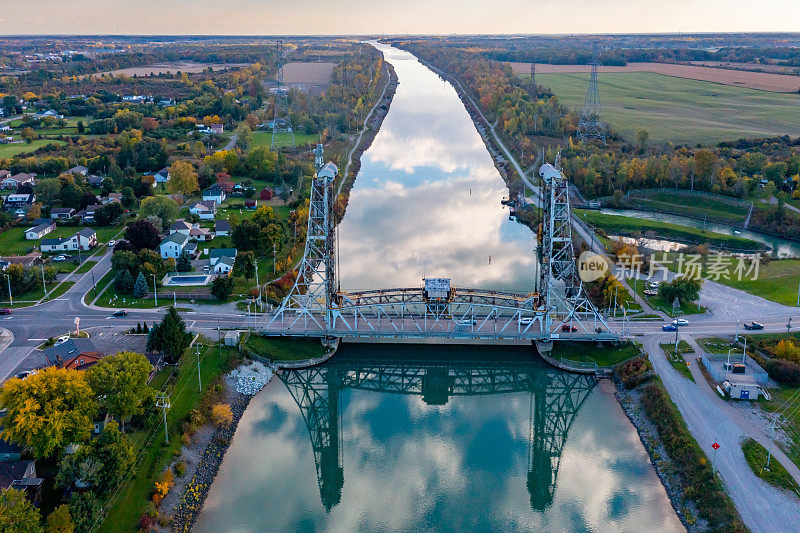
x: 591, y: 124
x: 562, y: 291
x: 314, y: 289
x: 282, y: 121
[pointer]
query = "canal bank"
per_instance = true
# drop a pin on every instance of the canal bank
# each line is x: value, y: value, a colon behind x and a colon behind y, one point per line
x: 441, y: 438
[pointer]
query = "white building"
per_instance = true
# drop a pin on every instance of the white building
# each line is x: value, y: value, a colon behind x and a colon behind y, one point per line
x: 215, y: 193
x: 206, y: 210
x: 37, y: 232
x: 82, y: 240
x: 173, y: 245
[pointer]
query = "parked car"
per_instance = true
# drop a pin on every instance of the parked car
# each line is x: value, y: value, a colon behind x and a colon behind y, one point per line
x: 680, y: 322
x: 26, y: 373
x: 650, y: 292
x: 753, y: 325
x: 5, y: 311
x: 59, y: 258
x: 568, y: 327
x: 669, y: 327
x: 61, y: 340
x: 111, y: 243
x: 654, y: 284
x: 121, y: 312
x: 526, y: 321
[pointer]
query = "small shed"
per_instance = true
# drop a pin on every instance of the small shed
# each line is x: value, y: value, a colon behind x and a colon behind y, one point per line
x: 232, y: 338
x: 266, y: 193
x: 742, y: 387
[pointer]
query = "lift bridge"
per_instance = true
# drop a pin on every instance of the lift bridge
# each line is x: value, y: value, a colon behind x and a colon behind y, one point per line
x: 555, y: 398
x: 556, y: 308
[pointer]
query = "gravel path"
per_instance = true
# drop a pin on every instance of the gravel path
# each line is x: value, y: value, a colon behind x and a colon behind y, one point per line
x: 762, y: 506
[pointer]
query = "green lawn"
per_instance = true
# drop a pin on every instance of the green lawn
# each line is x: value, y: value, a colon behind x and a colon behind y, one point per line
x: 264, y: 138
x: 281, y: 349
x: 12, y: 149
x: 777, y: 281
x: 678, y: 361
x: 691, y: 205
x: 13, y: 241
x: 680, y: 110
x: 784, y: 402
x: 152, y: 452
x: 776, y: 474
x: 627, y: 226
x: 608, y: 355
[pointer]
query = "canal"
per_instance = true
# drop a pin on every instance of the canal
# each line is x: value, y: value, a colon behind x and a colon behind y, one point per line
x: 434, y: 438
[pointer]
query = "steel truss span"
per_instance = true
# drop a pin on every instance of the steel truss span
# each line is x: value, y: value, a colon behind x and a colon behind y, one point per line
x: 315, y: 307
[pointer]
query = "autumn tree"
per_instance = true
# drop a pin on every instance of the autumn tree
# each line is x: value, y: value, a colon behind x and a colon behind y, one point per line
x: 60, y: 521
x: 164, y: 207
x: 120, y: 381
x: 183, y: 178
x: 48, y: 410
x: 17, y: 513
x: 28, y: 134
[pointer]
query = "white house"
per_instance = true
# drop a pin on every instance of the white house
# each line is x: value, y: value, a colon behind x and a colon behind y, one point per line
x: 63, y: 213
x: 215, y: 193
x: 82, y: 240
x: 224, y: 266
x: 215, y: 255
x: 173, y: 245
x: 180, y: 226
x: 206, y: 210
x: 222, y: 228
x: 12, y: 182
x: 80, y: 169
x: 37, y: 232
x: 162, y: 176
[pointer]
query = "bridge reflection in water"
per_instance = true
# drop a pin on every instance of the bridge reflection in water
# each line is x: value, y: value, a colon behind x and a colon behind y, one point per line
x: 437, y: 374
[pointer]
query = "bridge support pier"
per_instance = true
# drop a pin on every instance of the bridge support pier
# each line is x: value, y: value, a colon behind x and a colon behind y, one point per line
x: 544, y: 347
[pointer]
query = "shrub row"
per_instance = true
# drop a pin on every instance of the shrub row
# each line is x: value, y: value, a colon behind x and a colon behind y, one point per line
x: 696, y: 472
x: 634, y: 372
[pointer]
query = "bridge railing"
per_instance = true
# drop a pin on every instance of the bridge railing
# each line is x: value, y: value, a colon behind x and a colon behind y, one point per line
x: 579, y: 366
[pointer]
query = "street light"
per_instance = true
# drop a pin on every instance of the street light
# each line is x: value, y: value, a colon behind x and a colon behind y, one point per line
x: 10, y: 298
x: 155, y: 290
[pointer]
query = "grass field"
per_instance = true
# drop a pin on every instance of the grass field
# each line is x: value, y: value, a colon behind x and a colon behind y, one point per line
x: 12, y: 149
x: 777, y: 281
x: 657, y: 303
x: 589, y: 352
x: 279, y: 349
x: 264, y: 138
x: 677, y: 360
x: 680, y: 110
x: 13, y: 241
x: 622, y: 225
x: 776, y: 474
x: 693, y: 205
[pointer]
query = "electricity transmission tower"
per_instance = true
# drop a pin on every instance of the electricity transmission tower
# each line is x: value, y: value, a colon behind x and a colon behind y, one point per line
x: 591, y: 124
x: 282, y: 133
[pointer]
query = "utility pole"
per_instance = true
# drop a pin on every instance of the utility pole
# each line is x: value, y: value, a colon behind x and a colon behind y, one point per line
x: 260, y: 302
x: 44, y: 287
x: 197, y: 352
x: 155, y: 290
x: 274, y: 257
x: 219, y: 337
x: 164, y: 404
x: 10, y: 298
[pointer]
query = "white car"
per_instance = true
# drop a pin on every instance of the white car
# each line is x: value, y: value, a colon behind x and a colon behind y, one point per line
x: 61, y: 340
x: 60, y: 258
x: 654, y: 284
x: 111, y: 243
x: 526, y: 321
x: 680, y: 322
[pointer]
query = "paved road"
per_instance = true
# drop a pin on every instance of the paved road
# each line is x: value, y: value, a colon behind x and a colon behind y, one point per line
x: 710, y: 419
x: 232, y: 143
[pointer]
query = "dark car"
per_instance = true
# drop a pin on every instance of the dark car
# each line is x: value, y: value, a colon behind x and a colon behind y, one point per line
x: 669, y: 327
x: 5, y: 311
x: 121, y: 312
x: 753, y: 325
x: 567, y: 327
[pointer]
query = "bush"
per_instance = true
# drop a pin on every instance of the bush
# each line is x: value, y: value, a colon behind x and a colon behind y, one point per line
x: 180, y: 469
x: 784, y: 372
x: 634, y: 372
x: 221, y: 414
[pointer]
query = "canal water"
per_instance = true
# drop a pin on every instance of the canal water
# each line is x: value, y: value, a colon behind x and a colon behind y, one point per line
x: 434, y: 438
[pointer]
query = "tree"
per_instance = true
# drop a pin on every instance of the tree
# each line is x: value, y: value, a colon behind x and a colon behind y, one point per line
x: 641, y: 141
x: 142, y: 234
x: 169, y: 336
x: 261, y: 162
x: 221, y: 414
x: 81, y: 127
x: 140, y: 287
x: 17, y: 513
x: 184, y: 263
x: 128, y: 197
x: 60, y: 521
x: 108, y: 214
x: 102, y: 462
x: 86, y: 510
x: 48, y: 191
x: 161, y: 206
x: 222, y: 287
x: 124, y: 282
x: 683, y: 288
x: 183, y: 178
x: 245, y: 265
x: 28, y: 134
x: 120, y: 382
x: 47, y: 410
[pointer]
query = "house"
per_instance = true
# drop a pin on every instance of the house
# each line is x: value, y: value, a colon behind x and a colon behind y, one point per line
x: 12, y: 182
x: 173, y: 245
x: 216, y: 254
x: 214, y: 193
x: 62, y: 213
x: 162, y: 176
x: 216, y: 128
x: 18, y: 203
x: 84, y: 239
x: 28, y: 260
x: 82, y: 361
x: 224, y: 266
x: 250, y: 204
x: 9, y: 451
x: 266, y: 193
x: 95, y: 181
x: 206, y: 210
x: 21, y: 475
x: 112, y: 197
x: 4, y: 174
x: 200, y: 234
x: 222, y: 228
x: 80, y: 169
x: 191, y: 250
x: 37, y: 232
x: 180, y: 226
x: 88, y: 214
x: 66, y: 351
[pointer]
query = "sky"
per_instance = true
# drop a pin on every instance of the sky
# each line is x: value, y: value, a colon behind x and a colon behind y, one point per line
x: 272, y: 17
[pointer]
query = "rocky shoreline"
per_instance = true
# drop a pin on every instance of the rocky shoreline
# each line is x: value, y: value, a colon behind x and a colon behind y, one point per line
x: 630, y: 402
